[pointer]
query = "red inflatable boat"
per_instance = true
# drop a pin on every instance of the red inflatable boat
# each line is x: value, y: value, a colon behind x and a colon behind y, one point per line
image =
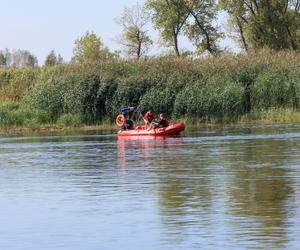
x: 173, y: 129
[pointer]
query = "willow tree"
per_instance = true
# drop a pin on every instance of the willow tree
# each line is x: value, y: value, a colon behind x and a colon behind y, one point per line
x: 169, y: 18
x: 134, y: 37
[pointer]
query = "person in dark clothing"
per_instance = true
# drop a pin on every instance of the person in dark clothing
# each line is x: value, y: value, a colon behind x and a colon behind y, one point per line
x: 163, y: 123
x: 128, y: 124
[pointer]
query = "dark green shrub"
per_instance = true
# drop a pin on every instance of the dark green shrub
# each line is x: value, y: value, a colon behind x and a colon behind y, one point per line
x: 80, y: 96
x: 129, y: 93
x: 275, y: 89
x: 74, y: 95
x: 131, y: 90
x: 210, y: 101
x: 12, y: 115
x: 105, y: 95
x: 161, y: 100
x: 49, y: 98
x: 211, y: 88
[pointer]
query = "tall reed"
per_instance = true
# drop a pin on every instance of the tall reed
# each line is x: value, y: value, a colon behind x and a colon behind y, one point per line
x: 209, y: 89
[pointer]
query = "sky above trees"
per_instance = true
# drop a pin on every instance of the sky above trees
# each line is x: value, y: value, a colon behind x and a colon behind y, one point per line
x: 42, y: 26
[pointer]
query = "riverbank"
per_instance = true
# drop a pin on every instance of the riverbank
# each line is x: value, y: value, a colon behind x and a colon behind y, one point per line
x: 54, y: 128
x: 266, y: 117
x: 253, y: 88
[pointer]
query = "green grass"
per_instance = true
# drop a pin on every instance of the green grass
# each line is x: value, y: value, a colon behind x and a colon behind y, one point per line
x: 69, y: 120
x: 271, y: 116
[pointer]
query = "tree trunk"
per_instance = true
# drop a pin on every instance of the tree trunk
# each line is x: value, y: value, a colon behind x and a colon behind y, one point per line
x: 242, y: 33
x: 139, y: 45
x: 139, y: 51
x: 208, y: 45
x: 175, y: 37
x: 293, y: 44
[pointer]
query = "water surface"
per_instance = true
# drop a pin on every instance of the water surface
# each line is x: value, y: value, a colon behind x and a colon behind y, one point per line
x: 235, y: 187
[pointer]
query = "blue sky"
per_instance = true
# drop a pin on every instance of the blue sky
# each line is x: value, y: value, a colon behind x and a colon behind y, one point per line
x: 40, y: 26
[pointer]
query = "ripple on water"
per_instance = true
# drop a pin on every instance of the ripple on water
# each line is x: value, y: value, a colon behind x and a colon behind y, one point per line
x: 210, y: 189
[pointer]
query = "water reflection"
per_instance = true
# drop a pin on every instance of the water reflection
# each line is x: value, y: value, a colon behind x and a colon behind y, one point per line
x: 184, y: 189
x: 260, y: 190
x: 246, y: 177
x: 146, y: 150
x: 213, y: 189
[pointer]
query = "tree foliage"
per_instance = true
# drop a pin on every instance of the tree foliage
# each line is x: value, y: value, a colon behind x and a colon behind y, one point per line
x: 200, y: 27
x: 134, y: 35
x: 89, y: 49
x: 273, y: 24
x: 18, y: 58
x: 23, y: 58
x: 53, y: 59
x: 168, y: 17
x: 2, y: 59
x: 195, y: 17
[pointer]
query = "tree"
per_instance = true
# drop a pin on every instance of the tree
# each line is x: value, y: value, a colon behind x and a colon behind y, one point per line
x: 237, y: 25
x: 23, y: 58
x: 195, y: 17
x: 236, y: 20
x: 168, y: 17
x: 18, y: 58
x: 199, y: 28
x: 60, y: 59
x: 8, y: 57
x: 134, y: 36
x: 2, y: 59
x: 53, y: 59
x: 30, y: 60
x: 273, y: 24
x: 89, y: 49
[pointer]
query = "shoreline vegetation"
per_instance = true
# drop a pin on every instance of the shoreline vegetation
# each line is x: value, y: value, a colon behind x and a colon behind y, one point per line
x: 269, y: 117
x: 230, y: 89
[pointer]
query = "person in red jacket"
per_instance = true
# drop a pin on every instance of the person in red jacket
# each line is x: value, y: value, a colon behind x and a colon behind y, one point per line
x: 149, y: 117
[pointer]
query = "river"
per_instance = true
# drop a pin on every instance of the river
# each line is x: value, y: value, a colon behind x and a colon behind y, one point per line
x: 233, y: 187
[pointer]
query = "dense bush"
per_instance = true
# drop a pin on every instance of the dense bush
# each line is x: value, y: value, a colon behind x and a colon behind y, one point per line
x: 105, y: 101
x: 49, y: 98
x: 208, y: 102
x: 159, y: 99
x: 207, y: 89
x: 80, y: 96
x: 77, y: 95
x: 275, y: 90
x: 129, y: 92
x: 13, y: 115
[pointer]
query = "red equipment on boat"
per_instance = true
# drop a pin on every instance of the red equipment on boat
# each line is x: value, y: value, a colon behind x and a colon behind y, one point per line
x: 173, y: 129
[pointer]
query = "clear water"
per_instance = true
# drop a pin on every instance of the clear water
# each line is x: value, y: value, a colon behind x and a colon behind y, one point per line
x: 227, y: 188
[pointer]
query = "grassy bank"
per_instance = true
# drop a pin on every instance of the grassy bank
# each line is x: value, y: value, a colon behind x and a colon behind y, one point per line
x: 265, y: 117
x: 264, y: 88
